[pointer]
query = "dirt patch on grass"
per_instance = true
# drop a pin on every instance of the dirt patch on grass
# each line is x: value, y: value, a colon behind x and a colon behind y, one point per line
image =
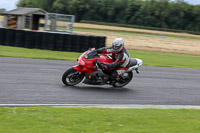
x: 133, y: 30
x: 160, y: 44
x: 170, y: 45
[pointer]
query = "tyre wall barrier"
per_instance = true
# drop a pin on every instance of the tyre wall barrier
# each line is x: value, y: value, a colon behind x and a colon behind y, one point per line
x: 20, y: 38
x: 29, y: 39
x: 10, y: 37
x: 58, y: 41
x: 2, y: 36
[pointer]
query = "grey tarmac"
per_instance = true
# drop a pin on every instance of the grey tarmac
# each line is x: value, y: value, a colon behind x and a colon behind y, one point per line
x: 38, y: 81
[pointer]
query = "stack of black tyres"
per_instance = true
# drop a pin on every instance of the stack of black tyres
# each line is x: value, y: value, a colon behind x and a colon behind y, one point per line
x: 58, y: 42
x: 84, y: 43
x: 2, y: 36
x: 98, y: 42
x: 38, y: 39
x: 67, y: 42
x: 10, y: 37
x: 19, y: 38
x: 101, y: 41
x: 48, y: 41
x: 76, y: 42
x: 29, y: 41
x: 92, y: 41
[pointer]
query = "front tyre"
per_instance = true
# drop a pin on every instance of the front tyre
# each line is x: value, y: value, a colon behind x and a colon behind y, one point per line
x: 72, y: 77
x: 123, y: 80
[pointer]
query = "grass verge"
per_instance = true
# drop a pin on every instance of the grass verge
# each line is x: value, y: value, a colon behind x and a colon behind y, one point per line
x: 97, y: 120
x: 149, y: 58
x: 37, y: 53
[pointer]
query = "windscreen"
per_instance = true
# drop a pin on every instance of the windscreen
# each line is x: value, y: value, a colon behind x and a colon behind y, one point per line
x: 91, y: 54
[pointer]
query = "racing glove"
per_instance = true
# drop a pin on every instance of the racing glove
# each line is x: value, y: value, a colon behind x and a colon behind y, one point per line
x: 104, y: 66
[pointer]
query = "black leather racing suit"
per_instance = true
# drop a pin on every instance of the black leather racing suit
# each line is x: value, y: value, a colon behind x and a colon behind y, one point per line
x: 120, y: 60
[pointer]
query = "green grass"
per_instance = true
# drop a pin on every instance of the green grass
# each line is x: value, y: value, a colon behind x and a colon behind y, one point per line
x: 167, y: 59
x: 149, y: 58
x: 37, y: 53
x: 97, y: 120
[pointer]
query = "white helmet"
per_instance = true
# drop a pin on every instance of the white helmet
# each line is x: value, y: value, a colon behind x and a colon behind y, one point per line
x: 117, y: 45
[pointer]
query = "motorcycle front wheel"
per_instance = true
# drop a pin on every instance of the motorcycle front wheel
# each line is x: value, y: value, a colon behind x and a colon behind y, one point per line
x: 124, y: 80
x: 72, y: 77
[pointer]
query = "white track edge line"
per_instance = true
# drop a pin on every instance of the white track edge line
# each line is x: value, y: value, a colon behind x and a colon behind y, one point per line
x: 133, y: 106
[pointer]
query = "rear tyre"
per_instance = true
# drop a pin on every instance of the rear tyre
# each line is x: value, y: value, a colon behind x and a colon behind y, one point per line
x: 124, y: 80
x: 72, y: 77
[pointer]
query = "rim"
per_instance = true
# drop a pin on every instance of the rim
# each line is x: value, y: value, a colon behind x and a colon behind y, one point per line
x: 123, y: 80
x: 73, y: 78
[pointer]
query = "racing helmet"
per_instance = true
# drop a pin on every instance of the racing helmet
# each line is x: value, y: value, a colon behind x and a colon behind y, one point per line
x: 117, y: 45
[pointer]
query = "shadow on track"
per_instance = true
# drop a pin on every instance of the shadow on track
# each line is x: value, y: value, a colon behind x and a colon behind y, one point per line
x: 100, y: 89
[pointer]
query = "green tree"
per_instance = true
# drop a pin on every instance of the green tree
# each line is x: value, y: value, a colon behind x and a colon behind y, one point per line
x: 176, y: 14
x: 2, y: 10
x: 44, y: 4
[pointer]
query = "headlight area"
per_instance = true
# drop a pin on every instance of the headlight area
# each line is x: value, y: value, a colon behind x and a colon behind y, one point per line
x: 81, y: 62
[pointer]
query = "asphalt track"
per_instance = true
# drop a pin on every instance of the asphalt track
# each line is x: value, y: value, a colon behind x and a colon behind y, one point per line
x: 36, y: 81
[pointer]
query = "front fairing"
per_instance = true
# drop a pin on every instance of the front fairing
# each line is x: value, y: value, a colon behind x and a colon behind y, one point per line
x: 86, y: 60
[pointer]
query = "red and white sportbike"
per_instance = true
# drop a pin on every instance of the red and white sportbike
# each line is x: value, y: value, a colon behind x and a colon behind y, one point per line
x: 90, y: 68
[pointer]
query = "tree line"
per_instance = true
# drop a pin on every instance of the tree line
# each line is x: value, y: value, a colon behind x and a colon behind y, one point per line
x: 176, y: 14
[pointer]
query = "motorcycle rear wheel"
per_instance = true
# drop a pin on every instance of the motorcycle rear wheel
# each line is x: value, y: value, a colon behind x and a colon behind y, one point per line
x: 122, y: 82
x: 72, y: 77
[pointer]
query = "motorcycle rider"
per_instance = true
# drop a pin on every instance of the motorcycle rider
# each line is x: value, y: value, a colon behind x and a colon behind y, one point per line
x: 120, y: 56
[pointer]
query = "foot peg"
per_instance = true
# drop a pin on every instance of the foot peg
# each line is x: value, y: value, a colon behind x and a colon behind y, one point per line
x: 138, y: 72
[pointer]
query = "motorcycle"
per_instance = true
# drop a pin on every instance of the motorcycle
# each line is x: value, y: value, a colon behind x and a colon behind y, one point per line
x: 90, y: 70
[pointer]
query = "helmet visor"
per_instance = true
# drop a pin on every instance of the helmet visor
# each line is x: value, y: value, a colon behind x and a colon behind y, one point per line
x: 116, y: 47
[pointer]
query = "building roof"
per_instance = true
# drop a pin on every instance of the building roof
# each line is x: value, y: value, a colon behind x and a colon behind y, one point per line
x: 22, y: 11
